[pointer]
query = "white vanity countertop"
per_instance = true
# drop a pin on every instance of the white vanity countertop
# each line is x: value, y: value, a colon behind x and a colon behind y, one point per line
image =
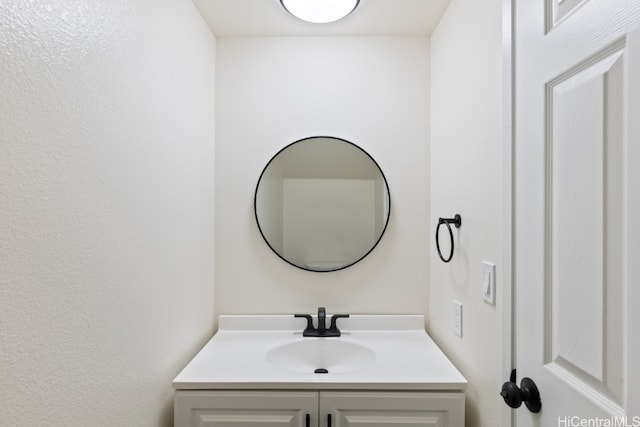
x: 406, y: 358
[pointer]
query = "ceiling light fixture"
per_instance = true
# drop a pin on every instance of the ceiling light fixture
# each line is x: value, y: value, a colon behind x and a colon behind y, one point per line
x: 320, y: 11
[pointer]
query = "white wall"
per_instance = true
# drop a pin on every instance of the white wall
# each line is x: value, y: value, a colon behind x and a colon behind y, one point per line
x: 466, y: 178
x: 371, y: 91
x: 106, y: 218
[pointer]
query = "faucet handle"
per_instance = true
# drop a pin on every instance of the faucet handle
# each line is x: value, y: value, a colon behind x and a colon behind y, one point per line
x: 334, y: 320
x: 309, y: 322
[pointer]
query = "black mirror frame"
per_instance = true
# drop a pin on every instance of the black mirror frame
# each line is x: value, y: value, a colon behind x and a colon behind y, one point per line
x: 255, y: 204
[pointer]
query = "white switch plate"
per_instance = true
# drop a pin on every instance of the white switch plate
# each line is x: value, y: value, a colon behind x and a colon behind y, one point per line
x: 457, y: 318
x: 488, y: 282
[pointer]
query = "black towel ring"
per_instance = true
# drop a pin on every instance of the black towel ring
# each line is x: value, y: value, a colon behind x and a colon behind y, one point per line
x: 457, y: 222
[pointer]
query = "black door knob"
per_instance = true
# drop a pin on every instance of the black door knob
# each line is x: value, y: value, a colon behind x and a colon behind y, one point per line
x: 511, y: 394
x: 527, y: 392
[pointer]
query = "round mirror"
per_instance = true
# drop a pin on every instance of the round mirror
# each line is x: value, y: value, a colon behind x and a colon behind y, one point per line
x: 322, y: 203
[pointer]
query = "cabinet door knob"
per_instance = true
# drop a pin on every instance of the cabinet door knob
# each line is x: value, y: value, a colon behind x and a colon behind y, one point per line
x: 308, y: 420
x: 329, y: 420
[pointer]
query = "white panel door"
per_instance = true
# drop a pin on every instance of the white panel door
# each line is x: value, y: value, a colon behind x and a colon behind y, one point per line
x: 577, y: 209
x: 245, y: 409
x: 391, y: 409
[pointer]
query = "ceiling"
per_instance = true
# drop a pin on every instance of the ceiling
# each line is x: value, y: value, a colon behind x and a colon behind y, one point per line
x: 241, y: 18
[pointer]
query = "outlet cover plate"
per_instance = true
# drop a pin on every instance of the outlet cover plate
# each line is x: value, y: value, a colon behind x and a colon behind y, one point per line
x: 457, y: 318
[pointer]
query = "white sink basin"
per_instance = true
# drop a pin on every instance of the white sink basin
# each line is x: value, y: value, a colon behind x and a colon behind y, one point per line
x: 318, y: 355
x: 385, y: 352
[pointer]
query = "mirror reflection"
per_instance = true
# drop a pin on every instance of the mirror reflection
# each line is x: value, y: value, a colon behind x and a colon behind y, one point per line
x: 322, y: 203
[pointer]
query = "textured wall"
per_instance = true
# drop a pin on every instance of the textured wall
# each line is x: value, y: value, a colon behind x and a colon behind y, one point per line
x: 371, y: 91
x: 106, y: 208
x: 466, y: 178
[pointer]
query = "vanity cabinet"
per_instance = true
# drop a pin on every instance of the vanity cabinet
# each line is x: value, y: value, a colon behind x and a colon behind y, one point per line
x: 262, y: 371
x: 391, y: 408
x: 243, y: 408
x: 318, y: 408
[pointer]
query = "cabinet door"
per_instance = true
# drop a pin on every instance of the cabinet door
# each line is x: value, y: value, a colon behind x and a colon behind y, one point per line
x: 391, y: 409
x: 245, y: 409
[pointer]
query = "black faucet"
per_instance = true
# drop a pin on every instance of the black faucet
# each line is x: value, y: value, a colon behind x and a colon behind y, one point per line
x: 321, y: 330
x: 322, y: 321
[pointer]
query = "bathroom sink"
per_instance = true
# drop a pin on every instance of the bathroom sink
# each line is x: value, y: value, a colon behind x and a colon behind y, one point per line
x: 320, y: 355
x: 270, y: 352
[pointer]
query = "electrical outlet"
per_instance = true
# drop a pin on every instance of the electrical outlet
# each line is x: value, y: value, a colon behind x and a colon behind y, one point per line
x: 457, y: 318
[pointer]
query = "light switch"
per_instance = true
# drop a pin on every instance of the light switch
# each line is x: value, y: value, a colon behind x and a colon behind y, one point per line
x: 489, y: 282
